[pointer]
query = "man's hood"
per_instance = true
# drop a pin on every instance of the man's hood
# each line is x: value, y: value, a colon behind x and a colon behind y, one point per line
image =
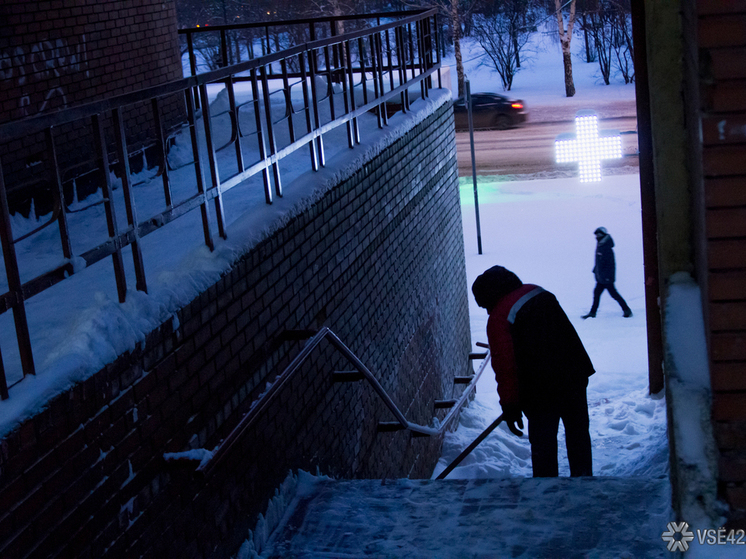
x: 494, y: 284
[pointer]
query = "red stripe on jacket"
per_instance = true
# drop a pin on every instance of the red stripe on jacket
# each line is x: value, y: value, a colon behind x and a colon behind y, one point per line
x: 501, y: 346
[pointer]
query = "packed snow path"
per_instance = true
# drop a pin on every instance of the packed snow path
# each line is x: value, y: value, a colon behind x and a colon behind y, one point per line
x: 460, y: 519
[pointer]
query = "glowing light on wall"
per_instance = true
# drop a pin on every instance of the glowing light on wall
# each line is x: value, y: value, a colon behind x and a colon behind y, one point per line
x: 588, y: 147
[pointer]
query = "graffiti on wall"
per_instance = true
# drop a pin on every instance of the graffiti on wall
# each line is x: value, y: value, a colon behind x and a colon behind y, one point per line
x: 45, y: 62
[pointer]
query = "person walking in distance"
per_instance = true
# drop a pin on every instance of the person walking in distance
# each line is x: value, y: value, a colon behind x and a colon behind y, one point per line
x: 541, y: 368
x: 605, y: 272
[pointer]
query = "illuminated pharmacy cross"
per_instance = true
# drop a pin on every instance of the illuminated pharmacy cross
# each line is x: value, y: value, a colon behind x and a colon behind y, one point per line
x: 588, y: 147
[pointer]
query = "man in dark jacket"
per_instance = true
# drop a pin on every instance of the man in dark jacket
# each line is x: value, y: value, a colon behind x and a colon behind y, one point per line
x: 605, y: 272
x: 541, y: 368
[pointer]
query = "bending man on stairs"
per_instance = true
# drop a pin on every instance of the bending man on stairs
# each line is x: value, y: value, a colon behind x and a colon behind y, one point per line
x: 541, y: 368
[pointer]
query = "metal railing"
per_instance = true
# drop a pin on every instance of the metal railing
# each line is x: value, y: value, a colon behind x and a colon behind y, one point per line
x: 363, y: 373
x: 222, y: 45
x: 371, y: 68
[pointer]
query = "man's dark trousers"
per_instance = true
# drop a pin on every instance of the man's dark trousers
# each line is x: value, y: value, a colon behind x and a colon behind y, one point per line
x: 599, y: 289
x: 543, y: 425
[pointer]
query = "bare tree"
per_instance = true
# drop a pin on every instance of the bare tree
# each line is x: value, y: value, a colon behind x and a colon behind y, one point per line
x: 586, y: 9
x: 609, y: 26
x: 503, y: 34
x: 456, y: 26
x: 565, y: 35
x: 624, y: 46
x: 455, y: 11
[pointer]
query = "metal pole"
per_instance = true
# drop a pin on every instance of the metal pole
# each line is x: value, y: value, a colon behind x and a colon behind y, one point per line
x: 473, y: 165
x: 648, y: 202
x: 472, y: 446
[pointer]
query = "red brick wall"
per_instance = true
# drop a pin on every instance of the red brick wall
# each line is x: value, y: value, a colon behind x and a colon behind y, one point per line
x: 379, y: 259
x: 56, y: 54
x: 722, y: 60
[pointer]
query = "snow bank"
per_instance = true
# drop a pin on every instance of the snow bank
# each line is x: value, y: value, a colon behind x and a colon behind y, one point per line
x: 694, y: 464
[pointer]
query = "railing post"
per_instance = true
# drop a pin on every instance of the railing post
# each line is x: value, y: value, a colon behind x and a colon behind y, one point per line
x: 410, y: 38
x: 59, y: 194
x: 407, y: 30
x: 3, y: 381
x: 436, y: 29
x: 355, y: 126
x: 363, y: 77
x: 223, y: 49
x: 329, y: 82
x: 235, y: 124
x: 316, y: 118
x: 381, y: 113
x: 15, y: 287
x: 401, y: 59
x: 260, y: 137
x: 111, y: 219
x: 378, y: 51
x: 288, y: 98
x: 336, y: 55
x: 270, y: 130
x: 313, y: 63
x: 162, y: 153
x: 420, y: 27
x: 199, y: 174
x: 129, y: 202
x: 307, y: 110
x: 192, y: 59
x: 212, y: 160
x: 345, y: 91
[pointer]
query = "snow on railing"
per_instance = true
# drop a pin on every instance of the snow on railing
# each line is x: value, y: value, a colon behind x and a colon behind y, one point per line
x: 294, y: 97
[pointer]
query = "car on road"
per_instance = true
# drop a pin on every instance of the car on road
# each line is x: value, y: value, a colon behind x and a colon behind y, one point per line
x: 489, y: 110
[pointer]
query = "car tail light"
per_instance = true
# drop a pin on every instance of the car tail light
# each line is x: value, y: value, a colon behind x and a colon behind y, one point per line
x: 517, y: 105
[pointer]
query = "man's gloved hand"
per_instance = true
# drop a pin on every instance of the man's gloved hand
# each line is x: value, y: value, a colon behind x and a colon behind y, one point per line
x: 512, y: 415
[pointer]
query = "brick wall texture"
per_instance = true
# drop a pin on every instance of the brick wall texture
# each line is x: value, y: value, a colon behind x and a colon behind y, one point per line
x: 722, y: 53
x: 56, y: 54
x: 379, y: 260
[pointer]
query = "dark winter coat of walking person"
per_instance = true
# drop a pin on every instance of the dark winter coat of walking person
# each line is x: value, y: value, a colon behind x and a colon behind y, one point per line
x: 541, y: 368
x: 605, y: 272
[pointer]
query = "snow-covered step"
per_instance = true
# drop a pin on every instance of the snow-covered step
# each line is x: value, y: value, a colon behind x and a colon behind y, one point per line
x: 515, y: 517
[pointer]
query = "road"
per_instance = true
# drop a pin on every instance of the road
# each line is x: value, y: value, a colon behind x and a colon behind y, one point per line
x: 530, y: 148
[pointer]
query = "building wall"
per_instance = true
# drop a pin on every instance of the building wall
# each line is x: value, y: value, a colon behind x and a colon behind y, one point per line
x: 696, y: 54
x: 58, y: 54
x: 721, y: 30
x: 61, y: 54
x: 379, y: 259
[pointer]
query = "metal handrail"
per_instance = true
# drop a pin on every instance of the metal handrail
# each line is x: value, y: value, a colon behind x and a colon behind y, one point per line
x: 312, y: 22
x: 288, y: 22
x: 20, y: 128
x: 233, y: 438
x: 414, y: 67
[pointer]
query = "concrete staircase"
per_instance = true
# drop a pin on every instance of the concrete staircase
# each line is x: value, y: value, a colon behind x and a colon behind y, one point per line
x: 452, y: 519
